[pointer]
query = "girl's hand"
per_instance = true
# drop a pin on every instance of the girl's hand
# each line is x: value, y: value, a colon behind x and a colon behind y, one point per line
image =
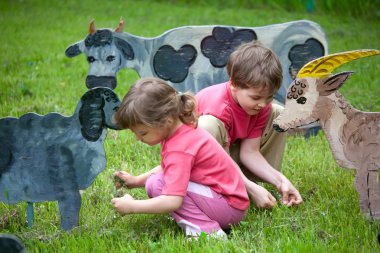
x: 261, y: 197
x: 123, y: 178
x: 124, y: 204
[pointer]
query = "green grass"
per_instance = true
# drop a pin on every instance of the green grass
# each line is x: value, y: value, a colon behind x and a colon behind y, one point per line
x: 35, y: 75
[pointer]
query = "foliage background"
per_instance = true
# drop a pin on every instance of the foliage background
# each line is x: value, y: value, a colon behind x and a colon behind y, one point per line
x: 35, y: 75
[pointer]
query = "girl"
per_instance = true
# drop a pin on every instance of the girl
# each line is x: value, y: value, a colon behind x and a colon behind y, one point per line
x: 197, y: 181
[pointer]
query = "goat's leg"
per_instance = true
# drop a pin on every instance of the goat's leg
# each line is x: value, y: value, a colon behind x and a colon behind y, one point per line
x: 69, y: 207
x: 374, y: 193
x: 361, y: 186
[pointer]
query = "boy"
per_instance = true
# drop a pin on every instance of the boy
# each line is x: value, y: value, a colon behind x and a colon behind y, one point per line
x: 239, y: 114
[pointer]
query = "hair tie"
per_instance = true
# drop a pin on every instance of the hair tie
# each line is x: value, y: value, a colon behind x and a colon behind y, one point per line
x: 180, y: 94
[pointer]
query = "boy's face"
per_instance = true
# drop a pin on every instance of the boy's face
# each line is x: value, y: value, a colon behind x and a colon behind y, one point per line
x: 252, y: 100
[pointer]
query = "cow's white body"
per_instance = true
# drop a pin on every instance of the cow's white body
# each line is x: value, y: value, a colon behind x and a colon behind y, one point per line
x: 302, y: 39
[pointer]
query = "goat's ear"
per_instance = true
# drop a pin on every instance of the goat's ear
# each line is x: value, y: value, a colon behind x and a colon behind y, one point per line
x: 125, y: 48
x: 332, y: 83
x: 74, y: 49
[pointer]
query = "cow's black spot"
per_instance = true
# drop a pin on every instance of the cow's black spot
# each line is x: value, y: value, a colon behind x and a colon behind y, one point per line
x: 223, y: 41
x: 301, y: 54
x: 99, y: 38
x: 173, y: 65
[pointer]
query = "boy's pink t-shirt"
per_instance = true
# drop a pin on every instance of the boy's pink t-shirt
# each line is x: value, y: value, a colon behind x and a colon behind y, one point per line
x: 192, y: 154
x: 217, y: 100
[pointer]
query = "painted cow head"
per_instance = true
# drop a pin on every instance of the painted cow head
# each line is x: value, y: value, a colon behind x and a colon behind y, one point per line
x: 105, y: 53
x: 306, y: 99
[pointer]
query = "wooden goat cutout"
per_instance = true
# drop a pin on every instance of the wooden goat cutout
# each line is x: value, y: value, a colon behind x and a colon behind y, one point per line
x: 52, y: 157
x: 194, y: 57
x: 353, y: 135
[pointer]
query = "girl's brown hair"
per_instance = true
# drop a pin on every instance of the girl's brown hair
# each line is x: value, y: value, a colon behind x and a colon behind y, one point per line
x: 253, y: 65
x: 151, y: 100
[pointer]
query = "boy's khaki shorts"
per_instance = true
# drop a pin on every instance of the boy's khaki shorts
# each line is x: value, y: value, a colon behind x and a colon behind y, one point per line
x: 272, y: 144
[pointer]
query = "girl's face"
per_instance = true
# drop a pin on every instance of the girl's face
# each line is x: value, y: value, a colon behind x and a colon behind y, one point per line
x: 154, y: 135
x: 251, y: 100
x: 150, y: 135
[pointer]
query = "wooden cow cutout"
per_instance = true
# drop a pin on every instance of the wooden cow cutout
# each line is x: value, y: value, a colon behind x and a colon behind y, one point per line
x: 194, y: 57
x: 353, y: 135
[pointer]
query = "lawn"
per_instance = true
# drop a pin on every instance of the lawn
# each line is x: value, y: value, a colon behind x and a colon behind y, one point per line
x: 36, y: 76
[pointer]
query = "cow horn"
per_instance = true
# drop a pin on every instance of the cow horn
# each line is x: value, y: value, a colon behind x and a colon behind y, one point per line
x: 92, y: 29
x: 324, y: 66
x: 120, y: 28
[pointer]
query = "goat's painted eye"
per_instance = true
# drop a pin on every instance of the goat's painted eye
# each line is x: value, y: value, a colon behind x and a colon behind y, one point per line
x: 90, y: 59
x: 301, y: 100
x: 110, y: 58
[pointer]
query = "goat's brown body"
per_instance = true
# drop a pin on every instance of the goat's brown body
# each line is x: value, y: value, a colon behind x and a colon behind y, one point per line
x: 354, y: 138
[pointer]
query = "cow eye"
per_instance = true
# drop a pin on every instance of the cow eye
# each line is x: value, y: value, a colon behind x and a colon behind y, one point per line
x: 110, y: 58
x: 90, y: 59
x: 301, y: 100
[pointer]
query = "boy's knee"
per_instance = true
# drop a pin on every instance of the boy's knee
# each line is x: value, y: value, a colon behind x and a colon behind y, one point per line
x: 215, y: 127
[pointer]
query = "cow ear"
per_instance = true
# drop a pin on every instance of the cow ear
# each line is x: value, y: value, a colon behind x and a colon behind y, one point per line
x: 74, y: 49
x: 332, y: 83
x: 125, y: 48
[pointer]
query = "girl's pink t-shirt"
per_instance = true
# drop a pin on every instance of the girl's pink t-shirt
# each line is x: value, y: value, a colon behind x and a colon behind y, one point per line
x: 192, y: 154
x: 217, y: 100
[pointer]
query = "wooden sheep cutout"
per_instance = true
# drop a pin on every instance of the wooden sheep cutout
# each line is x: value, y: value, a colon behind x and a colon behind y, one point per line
x: 194, y: 57
x: 353, y: 135
x: 52, y: 157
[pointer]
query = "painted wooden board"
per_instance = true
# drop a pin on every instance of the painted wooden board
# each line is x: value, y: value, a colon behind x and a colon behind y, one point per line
x: 51, y: 157
x: 194, y: 57
x: 353, y: 135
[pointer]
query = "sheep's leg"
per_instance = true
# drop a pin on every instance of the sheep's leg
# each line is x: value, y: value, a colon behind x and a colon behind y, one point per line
x: 30, y: 214
x: 69, y: 207
x: 374, y: 193
x: 361, y: 186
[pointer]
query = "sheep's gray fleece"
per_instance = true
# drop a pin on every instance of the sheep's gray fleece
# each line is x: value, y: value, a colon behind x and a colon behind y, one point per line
x: 52, y: 157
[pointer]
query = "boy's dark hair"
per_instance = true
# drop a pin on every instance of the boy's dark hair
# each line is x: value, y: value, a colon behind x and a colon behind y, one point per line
x: 253, y: 65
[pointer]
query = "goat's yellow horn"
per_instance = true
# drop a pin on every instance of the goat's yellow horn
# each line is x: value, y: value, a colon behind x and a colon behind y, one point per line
x: 324, y: 65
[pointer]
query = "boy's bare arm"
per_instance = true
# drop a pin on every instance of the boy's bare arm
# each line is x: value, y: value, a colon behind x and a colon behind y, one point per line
x: 255, y: 162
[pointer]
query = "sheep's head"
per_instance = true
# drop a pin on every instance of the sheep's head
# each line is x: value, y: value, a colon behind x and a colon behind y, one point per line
x: 97, y: 110
x: 305, y: 102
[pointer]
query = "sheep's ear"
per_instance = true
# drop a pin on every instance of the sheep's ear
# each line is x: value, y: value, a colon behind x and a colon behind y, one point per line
x: 332, y: 83
x: 109, y: 111
x: 91, y: 115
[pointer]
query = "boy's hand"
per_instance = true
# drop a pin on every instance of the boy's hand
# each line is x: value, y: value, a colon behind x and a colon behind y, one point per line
x: 290, y: 195
x: 261, y: 197
x: 124, y: 204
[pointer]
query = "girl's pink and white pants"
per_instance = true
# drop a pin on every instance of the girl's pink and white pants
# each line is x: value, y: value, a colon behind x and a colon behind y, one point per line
x: 202, y: 210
